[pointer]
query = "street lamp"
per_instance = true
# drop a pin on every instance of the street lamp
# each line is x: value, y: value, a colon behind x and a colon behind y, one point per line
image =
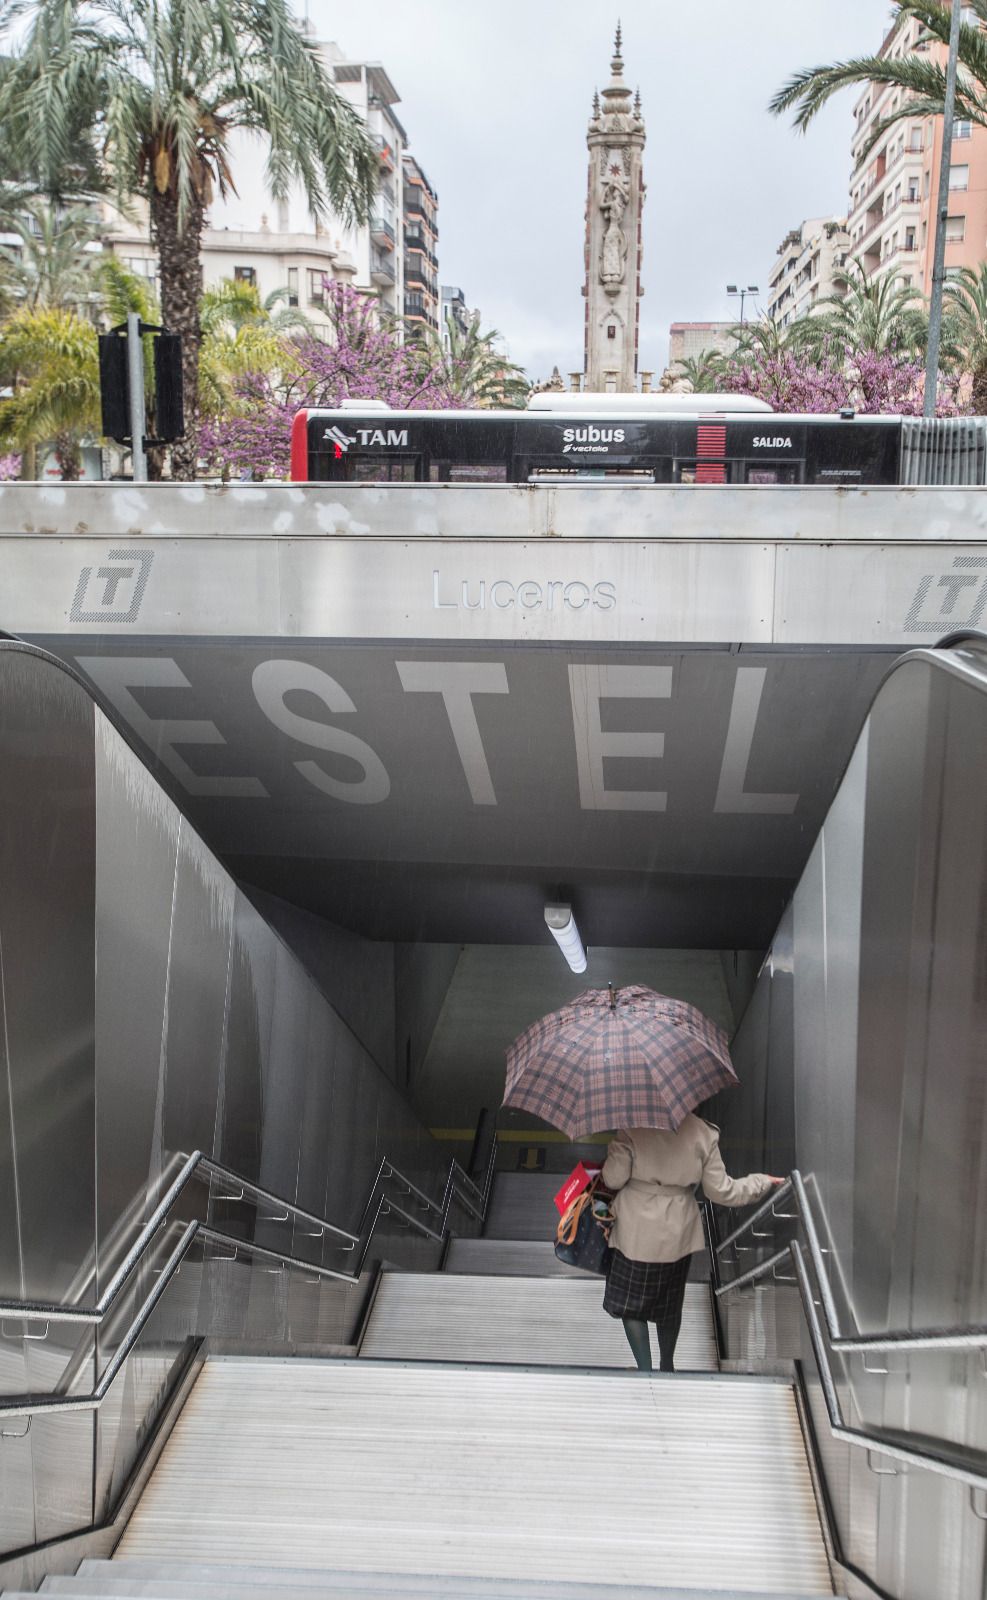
x: 741, y: 295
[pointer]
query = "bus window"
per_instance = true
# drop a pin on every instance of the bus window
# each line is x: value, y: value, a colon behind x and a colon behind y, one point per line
x: 468, y: 472
x: 786, y: 472
x: 700, y: 472
x: 379, y: 469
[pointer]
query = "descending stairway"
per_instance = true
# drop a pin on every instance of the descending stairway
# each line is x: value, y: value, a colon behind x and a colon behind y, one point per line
x: 486, y: 1445
x: 536, y: 1321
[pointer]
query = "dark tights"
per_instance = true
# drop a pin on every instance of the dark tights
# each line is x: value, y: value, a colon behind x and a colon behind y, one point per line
x: 639, y: 1338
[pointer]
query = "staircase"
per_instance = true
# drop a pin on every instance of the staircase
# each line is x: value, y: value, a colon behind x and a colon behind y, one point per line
x: 489, y: 1442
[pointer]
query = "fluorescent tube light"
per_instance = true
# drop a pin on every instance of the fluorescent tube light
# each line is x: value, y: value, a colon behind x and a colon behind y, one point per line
x: 562, y: 927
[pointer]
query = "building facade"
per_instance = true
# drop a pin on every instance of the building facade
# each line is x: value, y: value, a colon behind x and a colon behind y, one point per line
x: 421, y: 263
x: 894, y: 187
x: 805, y: 268
x: 614, y: 202
x: 277, y: 245
x: 453, y: 308
x: 688, y: 340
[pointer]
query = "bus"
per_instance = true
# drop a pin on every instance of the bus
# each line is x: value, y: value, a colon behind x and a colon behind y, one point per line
x: 631, y: 439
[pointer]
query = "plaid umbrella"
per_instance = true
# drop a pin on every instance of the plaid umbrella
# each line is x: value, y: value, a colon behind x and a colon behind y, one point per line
x: 624, y: 1058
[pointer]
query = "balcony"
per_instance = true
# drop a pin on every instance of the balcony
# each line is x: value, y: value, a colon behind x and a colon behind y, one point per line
x: 415, y: 241
x: 386, y: 154
x: 415, y: 274
x: 382, y: 233
x: 382, y: 273
x: 415, y: 305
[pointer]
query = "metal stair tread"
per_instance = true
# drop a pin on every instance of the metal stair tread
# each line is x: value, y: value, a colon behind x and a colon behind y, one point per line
x: 456, y: 1472
x: 532, y: 1257
x: 552, y: 1322
x: 149, y: 1580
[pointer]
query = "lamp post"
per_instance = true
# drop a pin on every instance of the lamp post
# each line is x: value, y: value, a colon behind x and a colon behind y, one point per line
x: 741, y: 295
x: 939, y: 249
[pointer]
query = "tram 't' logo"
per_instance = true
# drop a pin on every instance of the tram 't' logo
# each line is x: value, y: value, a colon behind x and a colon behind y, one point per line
x: 112, y: 592
x: 962, y: 597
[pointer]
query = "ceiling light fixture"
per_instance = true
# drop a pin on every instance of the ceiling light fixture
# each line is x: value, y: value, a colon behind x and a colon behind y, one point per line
x: 562, y: 927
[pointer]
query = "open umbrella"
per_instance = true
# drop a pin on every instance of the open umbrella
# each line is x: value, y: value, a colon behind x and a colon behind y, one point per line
x: 617, y: 1058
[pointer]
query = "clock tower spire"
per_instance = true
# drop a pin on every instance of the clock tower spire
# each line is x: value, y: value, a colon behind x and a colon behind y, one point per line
x: 614, y: 203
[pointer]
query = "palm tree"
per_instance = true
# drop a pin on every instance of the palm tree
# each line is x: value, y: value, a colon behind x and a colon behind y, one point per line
x: 235, y: 304
x: 51, y: 264
x: 50, y: 357
x: 471, y: 368
x: 703, y: 373
x: 965, y: 295
x: 921, y: 77
x: 163, y: 83
x: 866, y: 314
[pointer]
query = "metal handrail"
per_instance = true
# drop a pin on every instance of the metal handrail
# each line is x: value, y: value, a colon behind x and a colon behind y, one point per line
x: 960, y: 1338
x: 31, y: 1405
x: 869, y: 1439
x: 94, y: 1315
x: 928, y: 1460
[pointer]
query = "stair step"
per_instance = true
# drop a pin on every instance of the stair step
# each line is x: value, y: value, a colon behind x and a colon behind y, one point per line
x: 522, y: 1205
x: 534, y: 1258
x: 460, y: 1473
x: 172, y: 1580
x: 531, y: 1321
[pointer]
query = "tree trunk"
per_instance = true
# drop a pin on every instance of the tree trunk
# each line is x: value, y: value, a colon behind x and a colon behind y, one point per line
x: 978, y: 395
x: 29, y: 462
x: 180, y: 271
x: 69, y: 457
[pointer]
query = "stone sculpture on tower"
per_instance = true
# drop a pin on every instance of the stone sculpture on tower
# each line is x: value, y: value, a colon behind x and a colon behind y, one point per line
x: 613, y: 235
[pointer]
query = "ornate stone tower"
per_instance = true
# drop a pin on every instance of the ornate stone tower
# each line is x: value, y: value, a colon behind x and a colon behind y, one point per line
x: 614, y: 203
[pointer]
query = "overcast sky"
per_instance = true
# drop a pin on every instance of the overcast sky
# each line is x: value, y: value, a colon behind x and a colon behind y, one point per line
x: 495, y: 97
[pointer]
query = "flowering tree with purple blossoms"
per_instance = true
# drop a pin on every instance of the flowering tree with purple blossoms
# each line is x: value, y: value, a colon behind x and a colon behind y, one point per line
x: 363, y: 361
x: 869, y: 382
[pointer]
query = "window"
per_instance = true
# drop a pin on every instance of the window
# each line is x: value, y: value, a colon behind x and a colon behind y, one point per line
x: 912, y: 189
x: 955, y: 230
x: 909, y: 238
x: 245, y: 275
x: 925, y: 185
x: 316, y: 287
x: 962, y: 130
x: 293, y: 286
x: 915, y: 139
x: 905, y: 280
x: 959, y: 177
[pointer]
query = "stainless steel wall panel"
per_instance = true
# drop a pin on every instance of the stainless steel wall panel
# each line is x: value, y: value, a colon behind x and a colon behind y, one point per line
x: 890, y: 1066
x: 199, y: 975
x: 47, y: 834
x: 137, y: 838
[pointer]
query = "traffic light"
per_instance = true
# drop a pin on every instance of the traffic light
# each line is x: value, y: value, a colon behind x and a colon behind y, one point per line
x: 114, y: 385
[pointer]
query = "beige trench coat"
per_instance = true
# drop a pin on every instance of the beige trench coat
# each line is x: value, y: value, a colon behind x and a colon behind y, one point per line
x: 655, y: 1173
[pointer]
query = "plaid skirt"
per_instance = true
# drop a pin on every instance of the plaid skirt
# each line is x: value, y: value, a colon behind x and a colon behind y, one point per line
x: 649, y: 1291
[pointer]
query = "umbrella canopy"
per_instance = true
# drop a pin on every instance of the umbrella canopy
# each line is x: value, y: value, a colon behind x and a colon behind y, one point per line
x: 624, y: 1058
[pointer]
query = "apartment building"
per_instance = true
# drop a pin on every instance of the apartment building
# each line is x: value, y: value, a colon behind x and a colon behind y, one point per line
x: 421, y: 233
x: 803, y: 272
x: 894, y: 187
x: 453, y: 305
x: 278, y: 244
x: 688, y: 340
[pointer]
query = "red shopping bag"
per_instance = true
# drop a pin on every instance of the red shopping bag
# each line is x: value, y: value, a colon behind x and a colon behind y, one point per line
x: 578, y: 1180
